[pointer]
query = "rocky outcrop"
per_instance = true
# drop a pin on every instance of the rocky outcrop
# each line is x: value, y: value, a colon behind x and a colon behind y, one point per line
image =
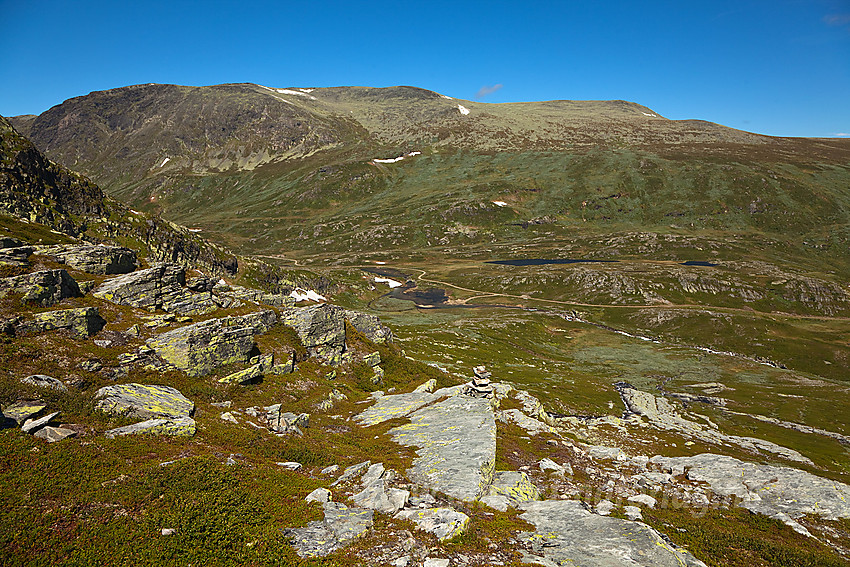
x: 144, y: 401
x: 396, y: 405
x: 370, y: 326
x: 160, y: 287
x: 45, y: 288
x: 780, y: 492
x: 200, y: 348
x: 103, y: 260
x: 510, y: 488
x: 15, y: 256
x: 20, y: 412
x: 567, y: 533
x: 321, y: 329
x: 81, y: 322
x: 456, y: 446
x: 663, y: 415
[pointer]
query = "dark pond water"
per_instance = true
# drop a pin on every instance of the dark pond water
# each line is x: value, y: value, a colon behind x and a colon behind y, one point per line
x: 543, y: 262
x: 698, y: 263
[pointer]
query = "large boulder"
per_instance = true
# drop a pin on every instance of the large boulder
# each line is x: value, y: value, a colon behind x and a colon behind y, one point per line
x: 147, y: 289
x: 104, y: 260
x: 178, y: 427
x: 340, y: 526
x: 82, y: 322
x: 201, y: 348
x: 45, y: 288
x: 144, y: 401
x: 15, y: 256
x: 370, y: 326
x: 321, y: 329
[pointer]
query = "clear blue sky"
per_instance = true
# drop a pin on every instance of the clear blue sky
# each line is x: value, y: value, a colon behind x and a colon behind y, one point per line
x: 779, y: 67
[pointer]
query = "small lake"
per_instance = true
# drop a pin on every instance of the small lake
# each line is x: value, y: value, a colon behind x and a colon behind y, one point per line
x: 698, y: 263
x: 544, y: 262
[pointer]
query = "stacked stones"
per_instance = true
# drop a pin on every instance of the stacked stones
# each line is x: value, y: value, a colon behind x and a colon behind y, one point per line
x: 480, y: 386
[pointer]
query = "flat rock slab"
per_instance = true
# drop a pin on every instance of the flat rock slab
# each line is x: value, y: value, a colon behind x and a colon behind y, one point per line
x: 141, y: 401
x: 445, y: 523
x: 456, y: 441
x: 33, y: 425
x: 395, y: 405
x: 43, y: 381
x: 178, y: 427
x: 779, y: 492
x: 54, y: 434
x: 569, y: 534
x: 45, y: 288
x: 340, y: 526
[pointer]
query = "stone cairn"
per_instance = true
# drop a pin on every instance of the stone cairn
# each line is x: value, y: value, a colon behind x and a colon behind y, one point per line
x: 480, y: 386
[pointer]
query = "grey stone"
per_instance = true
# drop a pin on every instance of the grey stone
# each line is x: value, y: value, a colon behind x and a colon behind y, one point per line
x: 256, y: 296
x: 372, y: 359
x: 456, y: 446
x: 15, y: 256
x: 320, y: 495
x: 33, y: 425
x: 181, y: 427
x: 91, y: 365
x: 45, y: 288
x: 43, y: 381
x: 633, y: 513
x: 290, y: 465
x: 435, y: 562
x: 445, y: 523
x: 103, y: 260
x: 286, y: 422
x: 496, y: 501
x: 370, y: 326
x: 340, y: 526
x: 644, y: 499
x: 321, y: 329
x: 604, y: 507
x: 146, y: 289
x: 54, y: 434
x: 352, y: 472
x: 779, y: 492
x: 329, y: 470
x: 567, y: 533
x: 200, y: 284
x: 144, y: 401
x: 227, y: 416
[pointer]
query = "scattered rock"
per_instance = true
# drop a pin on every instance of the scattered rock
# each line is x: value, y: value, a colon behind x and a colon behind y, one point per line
x: 604, y: 507
x: 91, y: 365
x: 427, y: 387
x: 168, y: 531
x: 141, y: 401
x: 320, y: 495
x: 352, y: 472
x: 227, y: 416
x: 644, y: 499
x: 370, y: 326
x: 633, y: 513
x: 286, y: 422
x: 329, y: 470
x: 445, y: 523
x: 181, y: 427
x: 250, y: 375
x: 33, y: 425
x: 43, y: 381
x: 54, y: 434
x: 341, y: 525
x: 434, y: 562
x: 290, y: 465
x: 45, y: 288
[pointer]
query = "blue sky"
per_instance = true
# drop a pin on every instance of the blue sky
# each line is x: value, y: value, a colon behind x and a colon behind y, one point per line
x: 779, y: 67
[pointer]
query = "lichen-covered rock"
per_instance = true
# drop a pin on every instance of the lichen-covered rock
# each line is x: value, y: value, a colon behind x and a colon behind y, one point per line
x: 146, y: 289
x: 32, y: 425
x: 45, y: 288
x: 569, y: 534
x: 370, y: 326
x: 445, y: 523
x: 456, y: 446
x: 103, y: 260
x: 246, y: 376
x: 43, y: 381
x: 340, y: 526
x: 257, y: 296
x: 144, y: 401
x: 372, y: 359
x: 286, y: 422
x: 200, y: 348
x: 320, y: 495
x: 516, y: 487
x: 178, y: 427
x: 15, y: 256
x: 82, y: 322
x: 22, y: 411
x: 321, y: 329
x: 392, y: 406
